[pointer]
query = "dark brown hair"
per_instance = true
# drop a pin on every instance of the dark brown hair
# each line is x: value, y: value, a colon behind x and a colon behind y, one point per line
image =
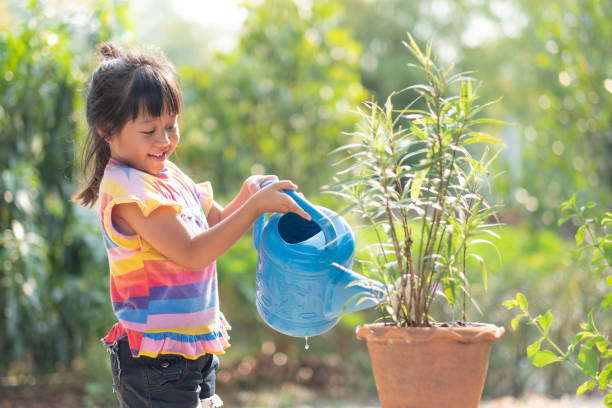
x: 123, y: 86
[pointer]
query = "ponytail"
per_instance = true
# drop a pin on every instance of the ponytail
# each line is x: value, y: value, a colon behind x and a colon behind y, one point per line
x: 96, y: 154
x: 96, y: 151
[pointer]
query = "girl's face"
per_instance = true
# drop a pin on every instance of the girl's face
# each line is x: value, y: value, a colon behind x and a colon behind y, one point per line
x: 146, y: 142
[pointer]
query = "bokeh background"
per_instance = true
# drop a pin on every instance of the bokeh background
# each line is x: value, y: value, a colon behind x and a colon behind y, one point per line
x: 269, y: 86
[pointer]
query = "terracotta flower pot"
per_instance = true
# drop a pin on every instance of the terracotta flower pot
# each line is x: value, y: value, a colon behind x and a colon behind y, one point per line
x: 426, y: 367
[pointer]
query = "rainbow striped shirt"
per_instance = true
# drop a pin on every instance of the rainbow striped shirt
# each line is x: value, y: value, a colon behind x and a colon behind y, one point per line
x: 162, y: 307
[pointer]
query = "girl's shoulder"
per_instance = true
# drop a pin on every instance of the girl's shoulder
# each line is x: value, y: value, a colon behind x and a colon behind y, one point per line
x: 174, y: 170
x: 121, y: 179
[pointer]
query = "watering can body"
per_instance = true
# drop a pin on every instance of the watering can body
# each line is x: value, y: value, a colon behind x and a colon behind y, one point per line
x: 303, y: 281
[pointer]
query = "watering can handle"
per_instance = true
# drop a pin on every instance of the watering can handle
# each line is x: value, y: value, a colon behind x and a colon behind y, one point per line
x: 324, y: 222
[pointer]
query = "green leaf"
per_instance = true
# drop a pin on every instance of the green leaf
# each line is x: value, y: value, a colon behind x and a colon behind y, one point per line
x: 492, y: 122
x: 449, y: 290
x: 544, y: 358
x: 587, y: 359
x: 587, y: 386
x: 479, y: 137
x: 481, y: 241
x: 581, y: 336
x: 609, y: 280
x: 514, y: 323
x: 483, y: 106
x: 591, y: 321
x: 545, y: 321
x: 522, y: 301
x: 483, y: 268
x: 601, y: 343
x: 608, y: 400
x: 510, y: 304
x: 590, y: 325
x: 534, y: 347
x: 607, y: 302
x: 603, y: 375
x: 415, y: 187
x: 580, y: 235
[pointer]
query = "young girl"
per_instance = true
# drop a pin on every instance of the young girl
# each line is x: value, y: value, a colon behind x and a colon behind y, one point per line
x: 162, y: 232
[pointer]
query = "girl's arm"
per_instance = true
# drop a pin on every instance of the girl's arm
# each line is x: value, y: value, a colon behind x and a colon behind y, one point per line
x: 165, y: 231
x: 249, y: 187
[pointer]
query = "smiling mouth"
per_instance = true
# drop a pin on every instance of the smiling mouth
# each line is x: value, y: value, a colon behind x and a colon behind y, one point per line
x: 160, y: 156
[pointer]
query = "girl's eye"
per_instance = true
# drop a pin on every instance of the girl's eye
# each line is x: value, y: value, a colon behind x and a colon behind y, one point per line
x: 149, y: 133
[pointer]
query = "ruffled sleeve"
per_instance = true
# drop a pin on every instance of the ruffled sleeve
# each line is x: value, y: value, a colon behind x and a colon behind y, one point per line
x: 205, y: 195
x: 138, y: 187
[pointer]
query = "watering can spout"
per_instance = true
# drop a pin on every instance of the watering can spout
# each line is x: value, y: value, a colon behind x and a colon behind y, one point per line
x: 352, y: 292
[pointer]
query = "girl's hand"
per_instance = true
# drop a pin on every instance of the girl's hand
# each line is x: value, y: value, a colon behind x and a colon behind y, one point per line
x: 272, y: 198
x: 251, y: 184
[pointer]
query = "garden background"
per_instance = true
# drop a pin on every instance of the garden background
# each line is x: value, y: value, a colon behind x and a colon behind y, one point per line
x: 274, y: 94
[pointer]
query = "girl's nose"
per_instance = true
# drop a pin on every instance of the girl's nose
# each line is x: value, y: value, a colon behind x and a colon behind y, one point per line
x: 164, y: 138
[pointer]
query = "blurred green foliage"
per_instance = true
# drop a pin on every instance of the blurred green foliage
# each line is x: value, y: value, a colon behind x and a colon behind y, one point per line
x: 549, y: 61
x: 278, y: 104
x: 53, y: 288
x: 555, y: 88
x: 48, y: 256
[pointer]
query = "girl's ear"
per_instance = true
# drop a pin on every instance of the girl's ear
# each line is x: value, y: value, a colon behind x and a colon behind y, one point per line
x: 102, y: 133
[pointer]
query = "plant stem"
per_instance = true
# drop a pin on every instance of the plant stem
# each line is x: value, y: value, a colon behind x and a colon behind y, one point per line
x: 396, y: 246
x: 465, y: 279
x: 407, y: 250
x: 592, y: 234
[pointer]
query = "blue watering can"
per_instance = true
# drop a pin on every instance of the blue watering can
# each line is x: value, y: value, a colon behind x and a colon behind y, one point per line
x: 303, y: 282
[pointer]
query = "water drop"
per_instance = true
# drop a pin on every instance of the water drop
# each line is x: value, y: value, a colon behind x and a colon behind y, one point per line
x: 306, y: 346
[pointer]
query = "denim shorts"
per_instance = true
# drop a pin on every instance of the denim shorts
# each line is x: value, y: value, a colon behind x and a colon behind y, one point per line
x: 168, y: 381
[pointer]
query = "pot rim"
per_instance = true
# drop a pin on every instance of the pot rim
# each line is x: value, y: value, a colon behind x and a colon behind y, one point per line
x: 476, y: 332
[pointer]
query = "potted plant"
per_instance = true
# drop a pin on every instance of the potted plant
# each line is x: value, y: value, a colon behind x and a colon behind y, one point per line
x: 416, y: 175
